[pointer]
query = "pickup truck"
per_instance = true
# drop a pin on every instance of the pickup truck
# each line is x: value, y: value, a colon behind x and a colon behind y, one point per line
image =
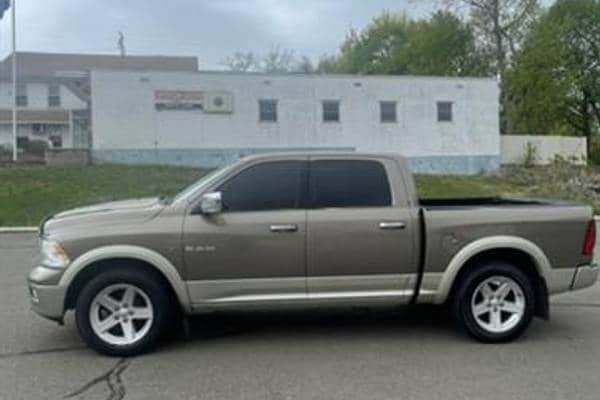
x: 303, y: 230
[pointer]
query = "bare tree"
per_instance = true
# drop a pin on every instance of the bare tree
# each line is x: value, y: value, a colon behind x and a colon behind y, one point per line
x: 241, y: 62
x: 305, y: 66
x: 500, y: 24
x: 276, y: 60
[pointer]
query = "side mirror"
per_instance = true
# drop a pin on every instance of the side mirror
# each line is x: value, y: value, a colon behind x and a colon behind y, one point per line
x: 210, y: 203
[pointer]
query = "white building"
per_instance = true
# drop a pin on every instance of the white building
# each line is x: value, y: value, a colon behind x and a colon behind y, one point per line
x: 444, y: 125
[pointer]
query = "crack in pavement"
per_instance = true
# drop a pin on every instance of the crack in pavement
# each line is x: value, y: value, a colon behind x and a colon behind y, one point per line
x: 41, y: 351
x: 113, y: 380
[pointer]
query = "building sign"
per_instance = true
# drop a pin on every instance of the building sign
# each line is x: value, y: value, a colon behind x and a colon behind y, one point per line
x: 178, y: 100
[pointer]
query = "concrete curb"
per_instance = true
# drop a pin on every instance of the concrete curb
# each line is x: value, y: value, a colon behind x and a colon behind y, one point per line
x: 18, y: 229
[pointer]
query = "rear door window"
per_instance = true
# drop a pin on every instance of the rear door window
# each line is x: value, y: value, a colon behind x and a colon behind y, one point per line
x: 348, y: 183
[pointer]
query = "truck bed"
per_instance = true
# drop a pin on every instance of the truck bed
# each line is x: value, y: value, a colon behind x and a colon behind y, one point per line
x: 486, y: 202
x: 558, y: 228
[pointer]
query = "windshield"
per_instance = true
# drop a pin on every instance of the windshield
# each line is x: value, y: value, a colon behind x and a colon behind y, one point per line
x: 201, y: 183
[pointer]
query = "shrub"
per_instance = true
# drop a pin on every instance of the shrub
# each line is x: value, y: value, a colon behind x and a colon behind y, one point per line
x: 531, y: 155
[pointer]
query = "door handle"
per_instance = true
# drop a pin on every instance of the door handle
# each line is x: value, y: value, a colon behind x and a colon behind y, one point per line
x: 284, y: 228
x: 392, y: 225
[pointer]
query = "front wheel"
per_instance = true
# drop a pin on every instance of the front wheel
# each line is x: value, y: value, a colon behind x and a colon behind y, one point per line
x: 495, y: 302
x: 122, y: 312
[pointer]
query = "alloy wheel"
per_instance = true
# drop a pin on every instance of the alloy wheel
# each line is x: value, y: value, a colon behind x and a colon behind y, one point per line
x: 121, y: 314
x: 498, y: 304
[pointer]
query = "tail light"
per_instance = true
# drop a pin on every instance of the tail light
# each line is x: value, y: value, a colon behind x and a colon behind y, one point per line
x: 590, y: 239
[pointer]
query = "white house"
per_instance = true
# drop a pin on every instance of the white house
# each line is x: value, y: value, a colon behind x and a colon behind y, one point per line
x: 444, y: 125
x: 53, y: 93
x: 46, y: 111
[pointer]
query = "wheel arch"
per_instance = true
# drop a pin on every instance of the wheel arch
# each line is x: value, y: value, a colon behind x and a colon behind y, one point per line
x: 93, y: 261
x: 519, y: 251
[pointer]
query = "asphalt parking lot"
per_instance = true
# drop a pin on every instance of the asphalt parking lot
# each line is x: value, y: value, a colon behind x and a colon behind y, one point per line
x: 412, y: 353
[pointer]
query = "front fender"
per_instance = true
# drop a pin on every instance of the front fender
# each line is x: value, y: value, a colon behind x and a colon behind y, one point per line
x: 149, y: 256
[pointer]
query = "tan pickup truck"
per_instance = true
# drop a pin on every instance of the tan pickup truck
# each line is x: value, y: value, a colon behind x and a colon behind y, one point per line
x: 310, y: 229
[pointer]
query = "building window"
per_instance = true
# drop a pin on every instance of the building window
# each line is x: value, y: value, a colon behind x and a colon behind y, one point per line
x: 53, y: 95
x: 267, y: 110
x: 331, y: 111
x: 444, y: 111
x: 21, y: 95
x: 387, y: 111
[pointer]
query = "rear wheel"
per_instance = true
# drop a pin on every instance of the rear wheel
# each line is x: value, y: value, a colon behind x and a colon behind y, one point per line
x: 122, y: 312
x: 494, y: 302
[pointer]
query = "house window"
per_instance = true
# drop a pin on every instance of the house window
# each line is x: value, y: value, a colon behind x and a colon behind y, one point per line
x: 53, y: 95
x: 21, y: 99
x: 387, y: 111
x: 331, y: 111
x: 444, y: 111
x: 267, y: 110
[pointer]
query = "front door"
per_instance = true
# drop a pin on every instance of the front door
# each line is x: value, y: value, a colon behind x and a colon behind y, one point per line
x: 255, y: 249
x: 360, y: 238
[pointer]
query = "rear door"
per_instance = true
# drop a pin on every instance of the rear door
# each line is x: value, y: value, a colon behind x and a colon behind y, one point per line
x: 360, y: 238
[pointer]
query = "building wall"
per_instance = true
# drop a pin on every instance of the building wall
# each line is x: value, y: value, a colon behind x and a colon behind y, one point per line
x: 128, y: 128
x: 546, y: 148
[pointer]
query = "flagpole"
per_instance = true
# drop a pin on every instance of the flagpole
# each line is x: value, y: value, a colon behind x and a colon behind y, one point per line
x: 14, y: 82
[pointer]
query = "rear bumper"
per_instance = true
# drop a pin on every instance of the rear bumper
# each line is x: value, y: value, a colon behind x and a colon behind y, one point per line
x: 584, y: 276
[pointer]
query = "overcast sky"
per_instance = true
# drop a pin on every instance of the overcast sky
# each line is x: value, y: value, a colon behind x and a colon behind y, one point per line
x: 208, y: 29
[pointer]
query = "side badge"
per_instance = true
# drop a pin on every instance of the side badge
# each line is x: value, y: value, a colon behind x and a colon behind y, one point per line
x: 199, y: 249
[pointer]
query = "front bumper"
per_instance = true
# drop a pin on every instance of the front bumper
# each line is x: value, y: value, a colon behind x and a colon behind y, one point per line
x: 46, y: 295
x: 584, y: 276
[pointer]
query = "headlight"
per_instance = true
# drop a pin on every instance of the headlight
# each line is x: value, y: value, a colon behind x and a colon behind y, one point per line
x: 53, y: 255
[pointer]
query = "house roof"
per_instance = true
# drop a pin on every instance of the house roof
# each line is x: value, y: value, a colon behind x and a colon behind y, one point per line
x: 45, y: 65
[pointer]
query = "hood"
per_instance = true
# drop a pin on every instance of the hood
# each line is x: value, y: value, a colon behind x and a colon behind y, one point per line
x: 121, y: 205
x: 111, y: 212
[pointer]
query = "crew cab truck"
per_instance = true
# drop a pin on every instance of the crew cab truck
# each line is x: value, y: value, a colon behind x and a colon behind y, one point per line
x: 311, y: 229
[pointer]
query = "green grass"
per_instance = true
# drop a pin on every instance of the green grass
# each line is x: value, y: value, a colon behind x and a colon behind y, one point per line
x: 29, y: 193
x: 447, y: 186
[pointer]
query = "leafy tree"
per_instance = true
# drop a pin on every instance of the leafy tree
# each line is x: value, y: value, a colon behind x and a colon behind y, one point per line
x: 554, y: 87
x: 373, y: 51
x: 328, y: 64
x: 444, y: 45
x: 395, y: 44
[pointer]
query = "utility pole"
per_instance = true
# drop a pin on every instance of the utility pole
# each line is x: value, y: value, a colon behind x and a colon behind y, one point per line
x: 14, y: 82
x: 121, y: 44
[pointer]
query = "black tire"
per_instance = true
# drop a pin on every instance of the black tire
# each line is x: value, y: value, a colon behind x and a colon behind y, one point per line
x: 461, y: 301
x: 154, y: 289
